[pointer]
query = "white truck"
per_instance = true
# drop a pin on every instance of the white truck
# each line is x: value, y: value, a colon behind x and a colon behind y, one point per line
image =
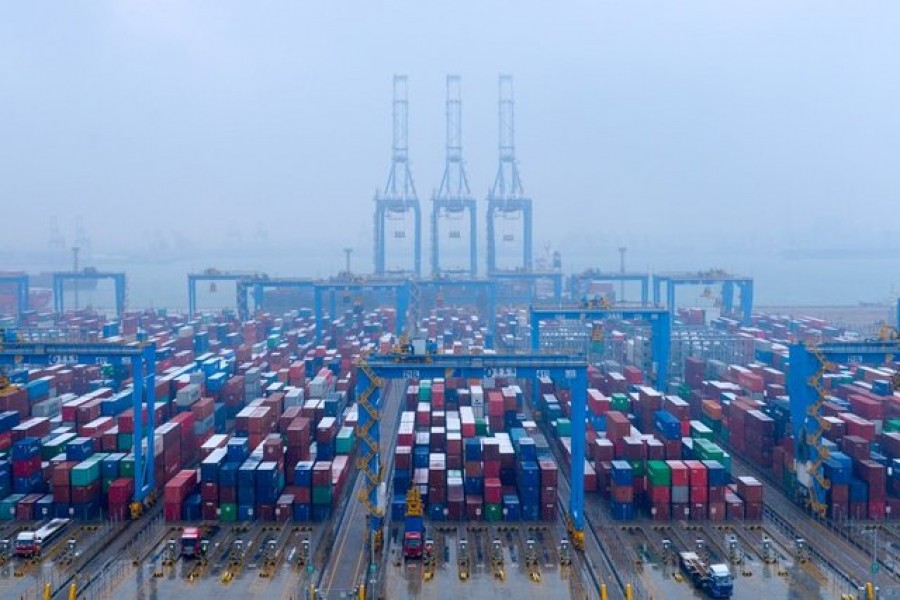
x: 32, y: 543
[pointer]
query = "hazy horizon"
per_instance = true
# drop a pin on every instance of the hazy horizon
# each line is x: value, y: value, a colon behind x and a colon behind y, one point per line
x: 717, y: 131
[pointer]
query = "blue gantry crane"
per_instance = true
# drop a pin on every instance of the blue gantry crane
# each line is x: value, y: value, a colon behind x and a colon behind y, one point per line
x: 260, y: 284
x: 507, y: 199
x: 809, y: 363
x: 373, y: 371
x: 20, y: 347
x: 88, y: 274
x: 522, y: 287
x: 241, y: 279
x: 579, y: 283
x: 399, y: 290
x: 709, y: 278
x: 659, y: 319
x: 20, y: 281
x: 399, y: 198
x: 453, y: 200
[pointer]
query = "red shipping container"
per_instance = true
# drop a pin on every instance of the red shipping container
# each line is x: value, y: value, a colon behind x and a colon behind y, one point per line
x: 660, y: 494
x: 697, y: 473
x: 25, y: 468
x: 716, y: 511
x: 753, y: 511
x: 679, y: 472
x: 172, y: 511
x: 62, y: 494
x: 699, y: 495
x: 121, y: 491
x: 698, y: 511
x: 660, y: 512
x: 86, y: 493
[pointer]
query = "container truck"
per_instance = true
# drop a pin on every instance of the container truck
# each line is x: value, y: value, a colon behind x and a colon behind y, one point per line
x: 413, y: 526
x: 715, y: 580
x: 32, y: 543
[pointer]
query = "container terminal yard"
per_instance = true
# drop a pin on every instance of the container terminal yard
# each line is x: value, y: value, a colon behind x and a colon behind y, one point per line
x: 382, y: 441
x: 396, y: 436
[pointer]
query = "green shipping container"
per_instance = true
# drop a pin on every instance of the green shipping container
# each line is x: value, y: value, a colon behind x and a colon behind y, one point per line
x: 228, y: 512
x: 481, y: 428
x: 563, y: 428
x: 321, y: 494
x: 637, y: 468
x: 124, y: 442
x: 891, y: 425
x: 345, y: 440
x: 700, y: 431
x: 658, y: 473
x: 620, y: 403
x: 126, y: 466
x: 85, y: 473
x: 8, y: 507
x: 493, y: 512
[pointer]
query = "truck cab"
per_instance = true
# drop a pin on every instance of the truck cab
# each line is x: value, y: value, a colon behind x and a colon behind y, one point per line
x: 413, y: 538
x: 721, y: 582
x: 27, y: 544
x: 190, y: 542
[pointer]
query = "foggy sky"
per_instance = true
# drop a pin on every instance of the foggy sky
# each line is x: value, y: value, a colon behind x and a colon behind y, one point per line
x: 635, y: 120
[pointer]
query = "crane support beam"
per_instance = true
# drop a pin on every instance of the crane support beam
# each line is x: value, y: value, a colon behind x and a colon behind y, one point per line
x: 808, y: 364
x: 20, y: 281
x: 241, y: 293
x: 728, y: 282
x: 660, y: 329
x: 507, y: 280
x: 579, y: 284
x: 397, y: 289
x: 60, y: 278
x: 569, y: 370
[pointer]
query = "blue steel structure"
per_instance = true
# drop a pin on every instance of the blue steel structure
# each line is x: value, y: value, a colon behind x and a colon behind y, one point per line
x: 713, y: 277
x: 454, y: 198
x: 375, y: 369
x: 59, y: 279
x: 20, y: 281
x: 579, y: 284
x: 259, y: 285
x: 808, y: 365
x: 510, y: 290
x: 213, y: 275
x: 142, y: 358
x: 400, y: 289
x: 399, y: 196
x: 660, y: 321
x: 507, y: 197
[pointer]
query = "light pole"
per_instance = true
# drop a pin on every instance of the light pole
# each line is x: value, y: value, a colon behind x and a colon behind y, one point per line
x: 348, y: 252
x: 874, y: 568
x: 75, y: 250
